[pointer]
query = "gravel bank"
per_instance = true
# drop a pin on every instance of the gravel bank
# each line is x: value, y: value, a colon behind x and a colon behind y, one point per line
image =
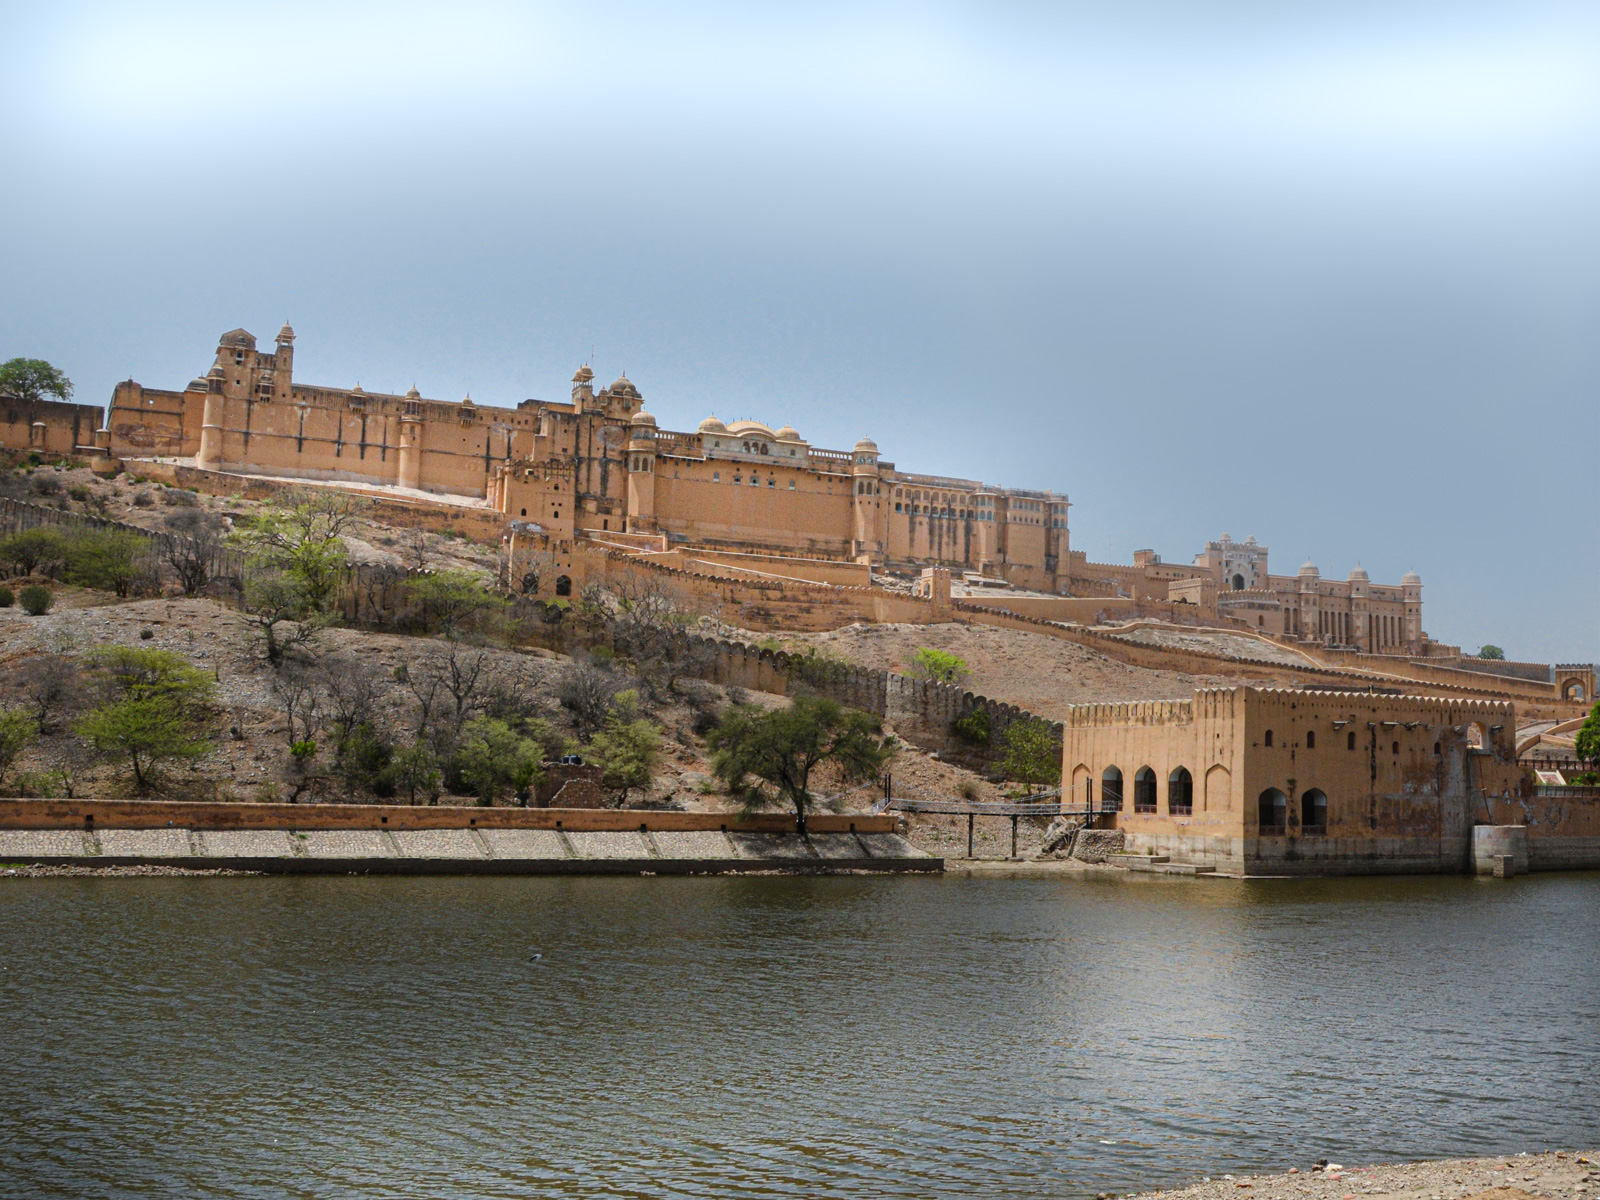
x: 41, y: 871
x: 1557, y: 1174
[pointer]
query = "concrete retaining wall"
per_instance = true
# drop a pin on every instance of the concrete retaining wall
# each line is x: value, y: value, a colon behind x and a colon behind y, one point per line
x: 1491, y: 841
x: 565, y: 848
x: 159, y: 814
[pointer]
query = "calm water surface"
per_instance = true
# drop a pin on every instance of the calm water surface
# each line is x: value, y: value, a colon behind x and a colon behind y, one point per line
x: 773, y: 1036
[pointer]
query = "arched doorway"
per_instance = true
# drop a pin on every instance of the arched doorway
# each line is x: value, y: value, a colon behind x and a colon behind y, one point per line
x: 1180, y: 792
x: 563, y: 585
x: 1238, y: 583
x: 1314, y: 813
x: 1144, y: 790
x: 1273, y: 815
x: 1111, y: 789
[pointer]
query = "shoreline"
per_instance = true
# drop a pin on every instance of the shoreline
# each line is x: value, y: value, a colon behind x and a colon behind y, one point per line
x: 1553, y: 1175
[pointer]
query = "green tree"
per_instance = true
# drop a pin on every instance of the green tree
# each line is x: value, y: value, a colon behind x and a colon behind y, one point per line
x: 279, y: 608
x: 1492, y: 652
x: 32, y: 548
x: 939, y: 666
x: 364, y: 762
x: 109, y: 560
x: 32, y: 379
x: 1031, y: 754
x: 1588, y: 739
x: 416, y: 771
x: 453, y: 601
x: 626, y: 750
x: 18, y: 730
x: 155, y: 704
x: 304, y: 541
x: 784, y: 746
x: 496, y: 761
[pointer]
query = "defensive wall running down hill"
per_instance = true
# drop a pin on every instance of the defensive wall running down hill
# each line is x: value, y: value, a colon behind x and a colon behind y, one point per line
x: 931, y: 716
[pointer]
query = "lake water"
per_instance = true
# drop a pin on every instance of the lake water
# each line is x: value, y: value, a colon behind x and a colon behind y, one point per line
x: 265, y: 1037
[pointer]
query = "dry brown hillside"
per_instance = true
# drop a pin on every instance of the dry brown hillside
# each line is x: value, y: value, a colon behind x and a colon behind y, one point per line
x: 1034, y: 671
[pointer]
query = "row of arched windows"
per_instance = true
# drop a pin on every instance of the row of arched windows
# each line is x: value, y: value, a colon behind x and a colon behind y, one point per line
x: 1180, y: 791
x: 1272, y: 817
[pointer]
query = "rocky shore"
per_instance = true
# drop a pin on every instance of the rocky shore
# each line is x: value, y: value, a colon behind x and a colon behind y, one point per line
x: 1554, y: 1175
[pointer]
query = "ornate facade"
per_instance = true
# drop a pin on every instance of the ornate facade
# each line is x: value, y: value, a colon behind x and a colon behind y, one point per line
x: 600, y: 463
x: 596, y: 464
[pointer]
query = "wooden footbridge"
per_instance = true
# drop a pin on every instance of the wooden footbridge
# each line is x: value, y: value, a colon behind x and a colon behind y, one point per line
x: 1044, y: 804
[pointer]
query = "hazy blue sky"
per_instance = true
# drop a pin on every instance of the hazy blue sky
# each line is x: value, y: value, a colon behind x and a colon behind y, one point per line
x: 1325, y: 273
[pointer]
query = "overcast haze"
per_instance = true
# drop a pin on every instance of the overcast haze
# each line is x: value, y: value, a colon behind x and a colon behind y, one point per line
x: 1328, y: 274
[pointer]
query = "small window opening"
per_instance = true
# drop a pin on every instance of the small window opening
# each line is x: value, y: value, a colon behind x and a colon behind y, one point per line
x: 1311, y: 740
x: 1267, y: 741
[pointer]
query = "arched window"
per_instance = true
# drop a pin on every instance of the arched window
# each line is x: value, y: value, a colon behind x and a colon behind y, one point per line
x: 1314, y: 813
x: 1267, y: 741
x: 1273, y: 816
x: 563, y: 585
x: 1311, y: 739
x: 1111, y: 789
x: 1397, y: 748
x: 1350, y: 740
x: 1144, y: 791
x: 1238, y: 583
x: 1436, y: 747
x: 1180, y: 793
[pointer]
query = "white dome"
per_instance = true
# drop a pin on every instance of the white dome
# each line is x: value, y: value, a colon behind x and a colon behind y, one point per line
x: 1411, y: 577
x: 1358, y: 574
x: 712, y: 425
x: 1309, y: 568
x: 643, y: 418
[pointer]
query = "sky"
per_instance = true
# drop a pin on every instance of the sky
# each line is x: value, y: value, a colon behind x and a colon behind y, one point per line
x: 1325, y: 273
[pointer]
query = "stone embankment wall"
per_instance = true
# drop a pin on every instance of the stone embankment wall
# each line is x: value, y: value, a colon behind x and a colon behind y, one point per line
x: 157, y: 814
x: 343, y: 839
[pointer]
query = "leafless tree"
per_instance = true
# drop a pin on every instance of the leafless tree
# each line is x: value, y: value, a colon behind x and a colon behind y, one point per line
x: 512, y: 695
x: 352, y: 693
x: 588, y: 688
x: 651, y: 628
x: 298, y: 689
x: 451, y: 684
x: 52, y: 687
x: 416, y: 548
x: 196, y: 541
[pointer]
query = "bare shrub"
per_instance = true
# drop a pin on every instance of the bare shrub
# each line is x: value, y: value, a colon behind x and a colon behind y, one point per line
x: 651, y: 628
x: 352, y: 692
x: 298, y: 689
x: 194, y: 547
x: 52, y: 689
x: 587, y: 689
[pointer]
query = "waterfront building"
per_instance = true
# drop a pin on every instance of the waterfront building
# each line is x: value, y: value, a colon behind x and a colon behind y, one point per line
x: 1269, y: 781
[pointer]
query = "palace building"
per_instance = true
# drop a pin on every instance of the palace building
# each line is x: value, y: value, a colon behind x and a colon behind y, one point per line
x: 596, y: 464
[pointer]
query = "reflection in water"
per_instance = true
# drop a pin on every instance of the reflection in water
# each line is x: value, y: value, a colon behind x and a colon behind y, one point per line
x: 816, y: 1037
